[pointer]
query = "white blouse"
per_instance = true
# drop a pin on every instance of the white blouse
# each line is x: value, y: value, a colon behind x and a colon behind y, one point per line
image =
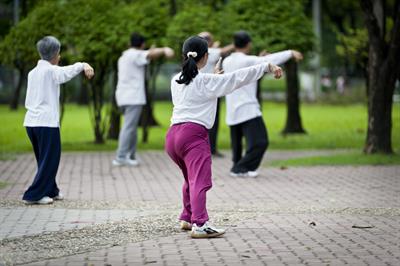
x: 131, y: 77
x: 242, y: 105
x: 43, y: 93
x: 197, y: 102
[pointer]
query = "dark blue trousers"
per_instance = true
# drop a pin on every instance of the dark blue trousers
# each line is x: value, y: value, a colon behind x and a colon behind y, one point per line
x: 47, y: 147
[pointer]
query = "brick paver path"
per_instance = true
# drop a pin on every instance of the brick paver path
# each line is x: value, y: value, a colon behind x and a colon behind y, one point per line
x: 300, y: 215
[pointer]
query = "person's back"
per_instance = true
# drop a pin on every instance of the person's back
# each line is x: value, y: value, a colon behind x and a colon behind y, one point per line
x: 193, y: 102
x: 40, y: 95
x: 131, y: 77
x: 241, y: 104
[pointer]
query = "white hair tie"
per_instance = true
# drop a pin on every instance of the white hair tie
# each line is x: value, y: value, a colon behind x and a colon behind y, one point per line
x: 191, y: 54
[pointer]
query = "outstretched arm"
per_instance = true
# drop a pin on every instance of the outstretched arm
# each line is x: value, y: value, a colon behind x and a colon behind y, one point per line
x: 217, y: 85
x: 65, y: 73
x: 281, y: 57
x: 155, y: 53
x: 226, y: 50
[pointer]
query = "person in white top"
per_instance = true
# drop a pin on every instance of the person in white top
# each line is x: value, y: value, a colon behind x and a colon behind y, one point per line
x: 243, y: 114
x: 214, y: 54
x: 131, y: 96
x: 42, y: 119
x: 194, y: 98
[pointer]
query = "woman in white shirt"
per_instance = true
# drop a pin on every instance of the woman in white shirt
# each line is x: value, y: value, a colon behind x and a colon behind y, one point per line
x: 194, y: 96
x: 42, y: 119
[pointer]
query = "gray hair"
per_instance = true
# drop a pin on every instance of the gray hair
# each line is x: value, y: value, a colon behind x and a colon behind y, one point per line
x: 48, y: 47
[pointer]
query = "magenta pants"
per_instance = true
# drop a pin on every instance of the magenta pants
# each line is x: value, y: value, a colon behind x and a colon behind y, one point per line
x: 188, y: 146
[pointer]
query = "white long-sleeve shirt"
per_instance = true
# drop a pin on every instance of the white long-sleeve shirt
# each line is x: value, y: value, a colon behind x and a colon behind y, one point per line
x: 43, y: 93
x: 197, y: 102
x: 131, y: 77
x: 242, y: 105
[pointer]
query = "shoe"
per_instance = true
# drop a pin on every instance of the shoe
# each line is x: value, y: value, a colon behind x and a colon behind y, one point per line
x: 252, y: 174
x: 245, y: 174
x: 60, y: 196
x: 206, y: 231
x: 185, y: 225
x: 44, y: 200
x: 127, y: 162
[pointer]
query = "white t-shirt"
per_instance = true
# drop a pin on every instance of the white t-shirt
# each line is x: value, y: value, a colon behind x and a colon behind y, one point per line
x: 213, y: 55
x: 43, y: 93
x: 131, y: 77
x: 242, y: 105
x: 197, y: 102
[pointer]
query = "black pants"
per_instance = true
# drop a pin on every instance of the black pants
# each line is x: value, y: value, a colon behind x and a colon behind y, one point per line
x: 256, y: 136
x: 47, y: 148
x: 213, y: 132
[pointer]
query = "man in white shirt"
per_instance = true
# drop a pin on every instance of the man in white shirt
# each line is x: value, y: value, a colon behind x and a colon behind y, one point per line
x: 243, y: 114
x: 130, y: 94
x: 42, y: 119
x: 214, y: 54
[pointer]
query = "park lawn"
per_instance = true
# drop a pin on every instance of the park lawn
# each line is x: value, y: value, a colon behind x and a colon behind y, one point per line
x: 348, y: 158
x: 327, y: 126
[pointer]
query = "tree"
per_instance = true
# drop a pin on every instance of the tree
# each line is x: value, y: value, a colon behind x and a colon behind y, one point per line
x: 191, y: 20
x: 17, y: 62
x: 87, y: 32
x: 274, y: 25
x: 382, y: 20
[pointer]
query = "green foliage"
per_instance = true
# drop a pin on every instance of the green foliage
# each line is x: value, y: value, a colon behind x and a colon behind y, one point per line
x: 192, y: 20
x: 19, y: 46
x: 354, y: 46
x: 273, y: 25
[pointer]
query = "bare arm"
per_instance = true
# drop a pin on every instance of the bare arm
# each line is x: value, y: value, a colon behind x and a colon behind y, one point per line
x: 227, y: 49
x: 155, y: 53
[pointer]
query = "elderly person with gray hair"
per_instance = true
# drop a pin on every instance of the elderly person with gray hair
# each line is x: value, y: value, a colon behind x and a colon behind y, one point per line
x: 42, y: 117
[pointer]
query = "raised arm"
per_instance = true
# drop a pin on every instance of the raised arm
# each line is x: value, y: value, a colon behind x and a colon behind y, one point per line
x: 226, y: 50
x: 62, y: 74
x: 155, y: 53
x: 281, y: 57
x: 216, y: 85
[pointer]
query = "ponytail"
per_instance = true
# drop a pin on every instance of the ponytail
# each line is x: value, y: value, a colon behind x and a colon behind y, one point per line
x: 194, y: 48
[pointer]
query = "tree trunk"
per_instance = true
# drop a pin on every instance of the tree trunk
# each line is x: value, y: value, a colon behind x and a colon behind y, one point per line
x: 83, y: 96
x: 147, y: 118
x: 381, y: 82
x: 383, y: 68
x: 96, y: 90
x: 17, y: 90
x: 115, y: 116
x: 293, y: 119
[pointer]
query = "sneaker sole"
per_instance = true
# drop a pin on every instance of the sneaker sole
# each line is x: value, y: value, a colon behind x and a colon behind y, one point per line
x: 207, y: 235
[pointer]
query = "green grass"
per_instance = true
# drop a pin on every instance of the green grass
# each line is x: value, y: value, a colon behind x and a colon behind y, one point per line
x: 327, y: 126
x: 352, y: 158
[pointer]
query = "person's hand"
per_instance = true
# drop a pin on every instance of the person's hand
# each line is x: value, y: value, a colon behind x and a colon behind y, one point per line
x: 89, y: 71
x: 297, y: 55
x: 168, y: 52
x: 276, y: 70
x: 218, y: 67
